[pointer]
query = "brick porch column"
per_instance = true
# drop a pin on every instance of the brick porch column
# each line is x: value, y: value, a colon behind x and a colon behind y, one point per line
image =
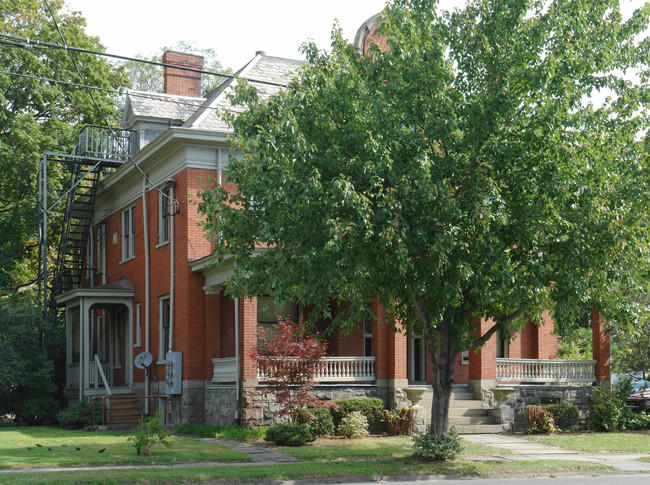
x: 483, y: 364
x: 250, y: 413
x: 601, y: 349
x: 545, y: 341
x: 389, y: 349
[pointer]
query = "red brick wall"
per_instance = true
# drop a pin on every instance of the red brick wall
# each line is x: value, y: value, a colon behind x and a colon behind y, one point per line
x: 482, y: 364
x: 373, y: 39
x: 601, y: 347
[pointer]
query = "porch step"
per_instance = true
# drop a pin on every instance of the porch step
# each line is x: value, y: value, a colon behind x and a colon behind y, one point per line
x: 124, y: 410
x: 466, y: 413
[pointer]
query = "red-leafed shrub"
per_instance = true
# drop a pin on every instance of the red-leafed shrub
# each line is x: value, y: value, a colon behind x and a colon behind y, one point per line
x: 289, y: 359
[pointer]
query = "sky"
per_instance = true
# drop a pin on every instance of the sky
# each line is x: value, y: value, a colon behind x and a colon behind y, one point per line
x: 235, y: 29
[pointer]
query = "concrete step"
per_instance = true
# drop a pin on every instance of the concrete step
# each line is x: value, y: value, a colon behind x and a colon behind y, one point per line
x: 462, y: 396
x: 462, y: 420
x: 479, y: 428
x: 473, y: 411
x: 465, y: 405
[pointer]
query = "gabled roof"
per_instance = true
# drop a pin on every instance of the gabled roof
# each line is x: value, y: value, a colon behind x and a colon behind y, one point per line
x: 267, y: 74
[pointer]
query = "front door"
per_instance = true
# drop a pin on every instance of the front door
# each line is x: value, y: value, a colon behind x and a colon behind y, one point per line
x: 117, y: 345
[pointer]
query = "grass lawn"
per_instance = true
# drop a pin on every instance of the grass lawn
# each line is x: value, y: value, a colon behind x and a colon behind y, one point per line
x: 59, y: 449
x: 624, y: 442
x: 372, y: 447
x: 294, y: 471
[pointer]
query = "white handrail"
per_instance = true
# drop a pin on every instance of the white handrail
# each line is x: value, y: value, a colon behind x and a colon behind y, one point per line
x: 546, y: 370
x: 100, y: 370
x: 339, y: 369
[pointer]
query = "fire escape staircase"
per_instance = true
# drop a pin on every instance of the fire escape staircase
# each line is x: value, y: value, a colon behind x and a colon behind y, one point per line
x: 99, y: 151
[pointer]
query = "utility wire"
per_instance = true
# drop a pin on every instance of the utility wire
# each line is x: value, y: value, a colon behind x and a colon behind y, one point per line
x: 172, y: 201
x: 136, y: 94
x: 26, y: 43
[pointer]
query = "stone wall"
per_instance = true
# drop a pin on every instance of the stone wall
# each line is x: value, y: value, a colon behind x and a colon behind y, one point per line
x: 260, y: 408
x: 221, y: 407
x: 511, y: 410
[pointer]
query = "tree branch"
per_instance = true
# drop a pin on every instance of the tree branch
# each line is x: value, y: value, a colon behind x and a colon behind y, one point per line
x: 501, y: 324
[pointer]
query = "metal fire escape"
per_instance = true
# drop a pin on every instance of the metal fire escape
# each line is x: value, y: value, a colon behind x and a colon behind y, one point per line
x: 99, y: 151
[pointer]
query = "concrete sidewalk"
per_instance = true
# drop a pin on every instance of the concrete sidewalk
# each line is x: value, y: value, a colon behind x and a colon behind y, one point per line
x: 523, y: 449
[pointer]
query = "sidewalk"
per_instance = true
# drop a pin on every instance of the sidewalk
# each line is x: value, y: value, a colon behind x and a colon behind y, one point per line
x: 523, y: 449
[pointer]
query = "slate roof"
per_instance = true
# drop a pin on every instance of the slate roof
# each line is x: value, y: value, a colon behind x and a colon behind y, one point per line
x: 267, y: 74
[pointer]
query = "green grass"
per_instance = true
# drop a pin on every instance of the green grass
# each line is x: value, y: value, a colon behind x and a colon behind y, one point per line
x: 628, y: 442
x: 294, y: 471
x: 227, y: 432
x: 15, y: 441
x: 373, y: 447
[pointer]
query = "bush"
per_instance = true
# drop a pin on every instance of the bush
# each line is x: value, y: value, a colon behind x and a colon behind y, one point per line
x: 150, y: 432
x: 433, y: 447
x: 606, y: 409
x: 79, y: 415
x: 633, y: 421
x: 400, y: 421
x: 353, y: 425
x: 320, y: 421
x: 289, y: 434
x: 538, y: 420
x: 565, y: 416
x: 372, y: 408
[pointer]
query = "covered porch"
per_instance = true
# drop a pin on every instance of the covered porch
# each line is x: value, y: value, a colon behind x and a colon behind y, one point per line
x: 99, y: 350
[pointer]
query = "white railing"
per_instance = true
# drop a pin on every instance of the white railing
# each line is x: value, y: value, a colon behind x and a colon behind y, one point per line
x: 225, y: 369
x: 99, y: 374
x: 339, y: 369
x: 547, y: 371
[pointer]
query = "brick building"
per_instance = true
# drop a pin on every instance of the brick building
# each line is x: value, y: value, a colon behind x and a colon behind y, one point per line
x: 148, y: 283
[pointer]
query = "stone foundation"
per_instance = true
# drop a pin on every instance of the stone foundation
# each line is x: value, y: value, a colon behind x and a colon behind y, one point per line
x: 221, y: 406
x: 511, y: 410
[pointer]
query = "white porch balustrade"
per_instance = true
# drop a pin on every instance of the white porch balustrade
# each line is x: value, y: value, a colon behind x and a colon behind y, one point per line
x: 547, y: 371
x: 94, y: 376
x: 335, y: 369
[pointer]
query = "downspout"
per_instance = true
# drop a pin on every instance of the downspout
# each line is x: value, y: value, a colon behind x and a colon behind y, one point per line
x: 172, y: 269
x: 237, y: 371
x: 147, y: 304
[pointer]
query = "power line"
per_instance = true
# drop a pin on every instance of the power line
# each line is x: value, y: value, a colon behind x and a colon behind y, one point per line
x: 135, y: 94
x: 173, y: 201
x: 26, y: 43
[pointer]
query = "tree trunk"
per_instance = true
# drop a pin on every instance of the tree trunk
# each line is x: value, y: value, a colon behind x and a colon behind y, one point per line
x: 443, y: 360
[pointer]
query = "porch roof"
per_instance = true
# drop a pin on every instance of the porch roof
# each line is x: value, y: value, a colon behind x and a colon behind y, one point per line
x: 113, y: 292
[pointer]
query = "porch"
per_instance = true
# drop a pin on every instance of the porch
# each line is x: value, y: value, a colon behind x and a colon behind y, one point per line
x: 546, y: 371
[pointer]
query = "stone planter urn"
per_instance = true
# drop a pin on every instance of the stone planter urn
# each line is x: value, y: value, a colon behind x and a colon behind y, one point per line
x: 414, y: 394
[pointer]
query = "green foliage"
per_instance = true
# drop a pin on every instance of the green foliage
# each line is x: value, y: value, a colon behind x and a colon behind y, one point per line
x: 371, y: 407
x: 321, y: 422
x: 399, y: 421
x: 440, y: 448
x: 231, y: 432
x: 538, y: 420
x: 565, y: 416
x: 633, y: 421
x: 289, y: 434
x: 78, y: 415
x: 38, y: 117
x: 150, y: 432
x: 27, y: 379
x: 148, y: 77
x: 577, y: 345
x: 606, y: 409
x: 353, y: 425
x: 462, y: 173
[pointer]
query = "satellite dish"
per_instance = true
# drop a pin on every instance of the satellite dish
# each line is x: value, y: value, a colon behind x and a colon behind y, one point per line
x: 143, y: 360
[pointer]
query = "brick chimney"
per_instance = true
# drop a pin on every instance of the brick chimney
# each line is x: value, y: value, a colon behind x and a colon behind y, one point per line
x: 180, y: 81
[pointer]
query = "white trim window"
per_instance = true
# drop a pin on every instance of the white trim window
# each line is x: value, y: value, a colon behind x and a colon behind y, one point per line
x: 138, y: 325
x: 128, y: 233
x: 164, y: 196
x: 367, y: 336
x: 100, y: 238
x: 163, y: 330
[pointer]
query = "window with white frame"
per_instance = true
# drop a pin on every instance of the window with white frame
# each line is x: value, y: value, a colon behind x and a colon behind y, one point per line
x: 128, y: 233
x: 164, y: 197
x: 138, y: 325
x: 164, y: 327
x: 367, y: 335
x: 100, y: 244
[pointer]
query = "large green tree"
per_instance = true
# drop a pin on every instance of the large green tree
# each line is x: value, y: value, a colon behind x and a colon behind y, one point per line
x: 38, y: 116
x: 463, y: 174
